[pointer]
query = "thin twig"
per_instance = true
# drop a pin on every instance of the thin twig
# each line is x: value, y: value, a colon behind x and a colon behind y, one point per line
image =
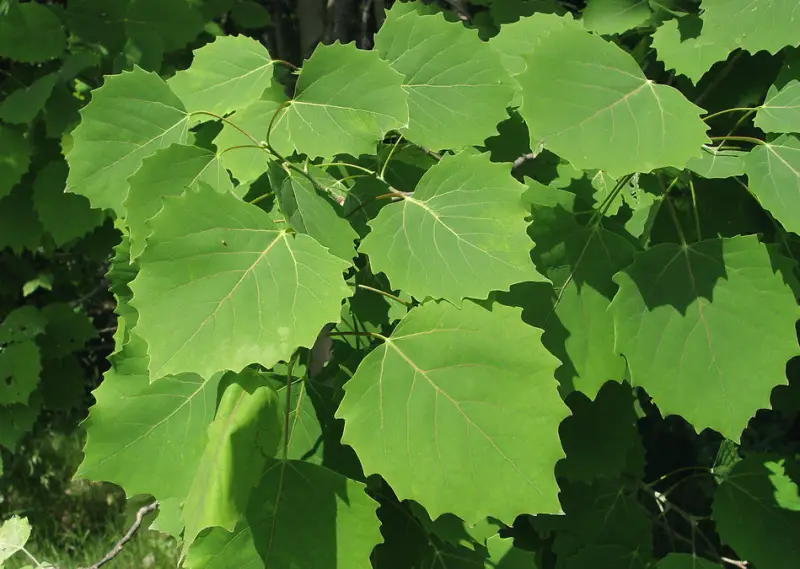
x: 143, y: 511
x: 735, y: 562
x: 522, y: 159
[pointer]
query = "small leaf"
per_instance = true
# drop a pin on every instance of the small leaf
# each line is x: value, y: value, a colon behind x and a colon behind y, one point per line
x: 15, y: 156
x: 14, y: 534
x: 20, y: 366
x: 411, y: 413
x: 773, y: 170
x: 346, y: 100
x: 22, y: 106
x: 615, y: 16
x: 680, y: 45
x: 781, y: 109
x: 221, y: 287
x: 31, y: 33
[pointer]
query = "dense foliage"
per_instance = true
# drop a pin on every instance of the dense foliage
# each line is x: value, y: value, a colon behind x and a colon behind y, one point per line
x: 516, y: 287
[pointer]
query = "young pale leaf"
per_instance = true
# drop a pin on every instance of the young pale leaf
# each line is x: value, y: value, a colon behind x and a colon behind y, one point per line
x: 686, y: 561
x: 718, y: 163
x: 615, y: 16
x: 457, y: 87
x: 222, y: 287
x: 346, y: 100
x: 581, y: 261
x: 587, y: 100
x: 757, y: 512
x: 781, y: 109
x: 692, y: 343
x: 168, y: 172
x: 310, y: 213
x: 773, y: 171
x: 15, y: 157
x: 246, y: 431
x: 461, y: 234
x: 130, y: 117
x: 14, y: 534
x: 161, y: 425
x: 31, y: 33
x: 450, y: 387
x: 301, y: 515
x: 227, y: 74
x: 64, y: 216
x: 22, y: 106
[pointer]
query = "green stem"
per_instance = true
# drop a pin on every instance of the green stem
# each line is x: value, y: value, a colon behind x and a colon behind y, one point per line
x: 226, y: 121
x: 354, y: 333
x: 726, y: 111
x: 287, y: 412
x: 386, y: 294
x: 739, y: 139
x: 288, y: 64
x: 346, y: 165
x: 389, y: 157
x: 696, y: 211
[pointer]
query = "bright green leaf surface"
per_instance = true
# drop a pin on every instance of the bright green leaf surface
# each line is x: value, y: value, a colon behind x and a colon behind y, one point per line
x: 412, y: 412
x: 691, y: 342
x: 168, y: 172
x: 457, y: 87
x: 773, y: 170
x: 22, y: 106
x: 20, y: 366
x: 309, y: 212
x: 615, y: 16
x: 31, y: 33
x: 716, y: 163
x: 461, y: 234
x: 15, y: 156
x: 246, y: 431
x: 757, y: 512
x: 64, y: 216
x: 14, y: 533
x: 679, y: 46
x: 301, y: 515
x: 305, y: 431
x: 587, y: 100
x: 345, y: 101
x: 523, y: 38
x: 227, y: 74
x: 781, y: 109
x: 222, y: 287
x: 130, y: 117
x: 686, y: 561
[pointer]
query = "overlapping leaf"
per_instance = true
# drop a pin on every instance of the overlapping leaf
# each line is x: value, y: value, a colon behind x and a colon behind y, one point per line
x: 773, y: 170
x: 22, y: 106
x: 31, y: 33
x: 14, y: 533
x: 717, y: 162
x: 345, y: 101
x: 522, y: 38
x: 412, y: 413
x: 781, y: 109
x: 130, y: 117
x: 221, y: 287
x: 615, y: 16
x: 457, y: 87
x: 692, y: 343
x: 461, y: 234
x: 589, y: 102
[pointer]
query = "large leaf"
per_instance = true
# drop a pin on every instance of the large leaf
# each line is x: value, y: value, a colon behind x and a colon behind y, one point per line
x: 587, y: 100
x: 457, y: 87
x: 31, y: 33
x: 718, y: 162
x: 757, y: 512
x: 227, y: 74
x: 168, y: 172
x: 345, y: 101
x: 221, y: 287
x: 692, y: 343
x: 245, y: 433
x: 773, y: 170
x: 15, y: 156
x: 781, y: 109
x: 301, y: 515
x: 615, y: 16
x: 413, y: 412
x: 461, y: 234
x: 130, y: 117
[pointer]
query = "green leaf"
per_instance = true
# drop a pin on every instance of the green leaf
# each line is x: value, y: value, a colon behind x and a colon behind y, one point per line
x: 173, y: 23
x: 587, y: 100
x: 31, y: 33
x: 606, y: 557
x: 615, y: 16
x: 250, y: 15
x: 461, y: 234
x: 14, y: 534
x: 20, y: 228
x: 23, y: 323
x: 581, y: 261
x: 20, y: 366
x: 68, y: 330
x: 305, y: 432
x: 688, y: 338
x: 15, y: 156
x: 221, y: 287
x: 64, y: 216
x: 227, y: 74
x: 773, y: 171
x: 345, y: 101
x: 98, y: 21
x: 412, y: 413
x: 168, y: 172
x: 457, y: 87
x: 757, y: 512
x: 16, y: 421
x: 245, y: 432
x: 686, y: 561
x: 22, y: 106
x: 681, y: 46
x: 718, y: 163
x: 309, y: 212
x: 301, y: 515
x: 161, y: 425
x: 130, y: 117
x: 781, y: 109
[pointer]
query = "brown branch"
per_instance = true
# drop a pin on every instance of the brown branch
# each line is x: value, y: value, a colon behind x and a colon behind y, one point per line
x: 143, y: 511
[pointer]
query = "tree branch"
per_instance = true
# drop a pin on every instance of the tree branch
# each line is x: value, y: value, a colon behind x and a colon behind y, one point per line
x: 143, y: 511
